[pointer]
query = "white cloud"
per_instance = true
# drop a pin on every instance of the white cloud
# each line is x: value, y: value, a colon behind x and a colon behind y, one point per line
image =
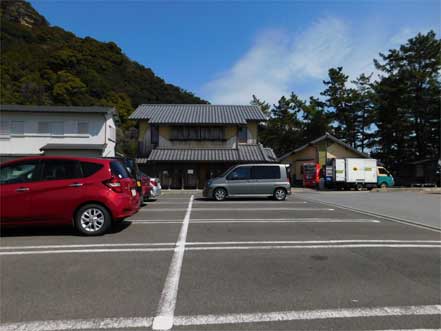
x: 280, y: 62
x: 278, y: 59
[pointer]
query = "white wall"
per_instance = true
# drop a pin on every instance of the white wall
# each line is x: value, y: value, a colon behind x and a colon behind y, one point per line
x: 30, y: 142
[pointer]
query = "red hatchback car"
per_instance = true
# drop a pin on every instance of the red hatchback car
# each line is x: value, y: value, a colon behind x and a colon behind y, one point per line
x: 89, y: 193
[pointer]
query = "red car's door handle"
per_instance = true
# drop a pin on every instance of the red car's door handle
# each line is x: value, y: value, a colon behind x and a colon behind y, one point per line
x: 22, y: 189
x: 76, y: 185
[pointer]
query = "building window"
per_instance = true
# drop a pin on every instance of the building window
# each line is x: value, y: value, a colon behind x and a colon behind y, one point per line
x: 56, y: 128
x: 83, y: 128
x: 5, y: 129
x: 17, y: 127
x: 43, y: 127
x: 243, y: 134
x: 197, y: 133
x: 52, y: 128
x: 154, y: 135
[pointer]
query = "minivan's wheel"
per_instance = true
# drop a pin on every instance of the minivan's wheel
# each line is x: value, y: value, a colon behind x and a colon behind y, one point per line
x: 280, y: 194
x: 359, y: 187
x: 93, y: 220
x: 220, y: 194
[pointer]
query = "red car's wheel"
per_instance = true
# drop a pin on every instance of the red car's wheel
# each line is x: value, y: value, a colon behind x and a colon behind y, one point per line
x: 93, y: 220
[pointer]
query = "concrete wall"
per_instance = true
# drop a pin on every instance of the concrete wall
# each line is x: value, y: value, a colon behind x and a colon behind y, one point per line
x: 102, y: 130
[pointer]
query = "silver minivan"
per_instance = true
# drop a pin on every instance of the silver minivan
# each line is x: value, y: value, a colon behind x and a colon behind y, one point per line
x: 251, y: 180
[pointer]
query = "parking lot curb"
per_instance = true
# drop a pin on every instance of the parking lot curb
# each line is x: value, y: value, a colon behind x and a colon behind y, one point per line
x: 385, y: 217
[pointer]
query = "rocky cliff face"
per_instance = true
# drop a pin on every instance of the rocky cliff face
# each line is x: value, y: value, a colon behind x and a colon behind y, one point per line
x: 21, y: 12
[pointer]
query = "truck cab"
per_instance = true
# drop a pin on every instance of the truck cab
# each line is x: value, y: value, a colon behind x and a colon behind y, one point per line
x: 384, y: 178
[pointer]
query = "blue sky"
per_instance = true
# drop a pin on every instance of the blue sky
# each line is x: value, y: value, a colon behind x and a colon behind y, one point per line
x: 226, y: 51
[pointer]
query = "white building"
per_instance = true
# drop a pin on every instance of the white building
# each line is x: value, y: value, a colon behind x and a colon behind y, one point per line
x: 56, y: 130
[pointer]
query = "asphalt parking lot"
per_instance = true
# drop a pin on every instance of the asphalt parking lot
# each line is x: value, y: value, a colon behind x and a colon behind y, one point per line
x: 185, y: 263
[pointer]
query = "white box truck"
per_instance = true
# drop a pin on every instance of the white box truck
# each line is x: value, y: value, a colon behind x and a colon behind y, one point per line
x: 353, y: 172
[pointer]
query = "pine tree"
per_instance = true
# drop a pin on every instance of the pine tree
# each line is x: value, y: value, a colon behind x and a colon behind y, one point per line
x: 408, y: 101
x: 341, y: 99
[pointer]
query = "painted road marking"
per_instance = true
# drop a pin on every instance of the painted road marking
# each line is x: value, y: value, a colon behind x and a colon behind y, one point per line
x: 307, y: 315
x: 230, y: 209
x: 167, y: 303
x: 232, y: 202
x: 212, y: 319
x: 226, y: 243
x: 87, y: 245
x: 207, y: 246
x: 313, y: 242
x: 260, y: 220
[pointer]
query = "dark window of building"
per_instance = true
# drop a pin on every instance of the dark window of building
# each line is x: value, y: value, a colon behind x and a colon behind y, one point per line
x: 154, y: 134
x: 197, y: 133
x: 61, y: 169
x: 243, y: 134
x: 266, y: 172
x: 241, y: 173
x: 90, y: 168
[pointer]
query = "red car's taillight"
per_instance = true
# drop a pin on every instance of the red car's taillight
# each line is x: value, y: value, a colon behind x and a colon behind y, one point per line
x: 114, y: 184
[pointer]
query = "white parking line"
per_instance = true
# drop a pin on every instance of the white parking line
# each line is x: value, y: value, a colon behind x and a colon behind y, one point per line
x: 229, y: 209
x: 260, y: 220
x: 221, y: 248
x: 232, y: 202
x: 167, y: 302
x: 78, y: 324
x: 323, y: 242
x: 307, y: 315
x: 239, y: 245
x: 86, y: 245
x: 212, y: 319
x: 201, y: 243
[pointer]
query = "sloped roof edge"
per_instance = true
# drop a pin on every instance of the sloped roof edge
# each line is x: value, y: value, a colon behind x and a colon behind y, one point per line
x: 319, y: 139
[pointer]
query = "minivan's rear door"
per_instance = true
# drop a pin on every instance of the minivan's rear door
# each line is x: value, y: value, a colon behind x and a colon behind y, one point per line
x: 59, y: 191
x: 266, y: 178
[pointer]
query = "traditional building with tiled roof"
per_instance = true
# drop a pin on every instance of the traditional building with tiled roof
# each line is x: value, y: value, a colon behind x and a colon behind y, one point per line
x: 185, y: 145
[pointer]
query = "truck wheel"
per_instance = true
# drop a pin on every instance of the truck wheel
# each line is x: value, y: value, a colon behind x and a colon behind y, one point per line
x: 383, y: 185
x: 359, y: 187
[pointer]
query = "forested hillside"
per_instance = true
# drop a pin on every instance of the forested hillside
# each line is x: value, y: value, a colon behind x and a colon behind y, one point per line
x: 46, y: 65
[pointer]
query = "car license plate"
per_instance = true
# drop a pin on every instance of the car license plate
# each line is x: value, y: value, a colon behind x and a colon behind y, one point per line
x: 133, y: 192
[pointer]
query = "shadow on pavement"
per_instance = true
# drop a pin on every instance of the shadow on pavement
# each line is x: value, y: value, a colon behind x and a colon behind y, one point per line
x: 54, y: 230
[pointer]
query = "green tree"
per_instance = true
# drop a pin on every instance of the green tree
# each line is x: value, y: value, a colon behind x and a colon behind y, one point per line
x: 408, y: 101
x: 364, y: 112
x: 340, y: 99
x: 264, y: 106
x: 316, y: 120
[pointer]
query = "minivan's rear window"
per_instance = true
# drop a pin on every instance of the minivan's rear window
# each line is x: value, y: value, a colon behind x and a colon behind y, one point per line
x: 90, y: 168
x: 118, y: 169
x: 266, y: 172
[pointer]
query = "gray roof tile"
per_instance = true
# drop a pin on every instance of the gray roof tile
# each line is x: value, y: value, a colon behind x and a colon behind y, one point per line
x: 244, y: 153
x: 57, y: 109
x: 198, y: 114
